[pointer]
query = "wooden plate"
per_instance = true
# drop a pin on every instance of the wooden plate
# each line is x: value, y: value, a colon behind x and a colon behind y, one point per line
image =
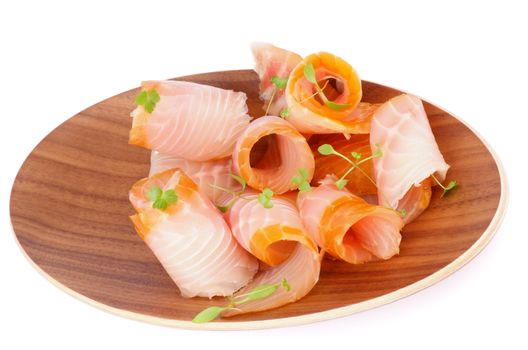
x: 69, y: 210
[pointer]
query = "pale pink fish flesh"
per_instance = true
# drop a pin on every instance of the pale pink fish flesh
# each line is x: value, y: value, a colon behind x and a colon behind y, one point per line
x: 209, y: 176
x: 410, y: 153
x: 191, y: 121
x: 273, y: 61
x: 191, y: 239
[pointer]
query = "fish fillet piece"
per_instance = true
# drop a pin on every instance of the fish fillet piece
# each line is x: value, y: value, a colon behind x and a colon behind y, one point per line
x: 277, y: 237
x: 341, y: 85
x: 273, y: 61
x: 190, y: 238
x: 358, y: 183
x: 191, y: 121
x: 207, y: 175
x: 282, y: 152
x: 348, y: 227
x: 410, y: 155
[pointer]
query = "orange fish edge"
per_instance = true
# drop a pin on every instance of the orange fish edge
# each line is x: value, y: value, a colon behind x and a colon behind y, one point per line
x: 138, y: 132
x: 148, y: 217
x: 273, y: 244
x: 326, y: 65
x: 332, y: 234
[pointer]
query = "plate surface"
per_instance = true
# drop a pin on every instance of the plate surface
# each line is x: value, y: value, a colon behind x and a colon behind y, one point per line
x: 69, y: 210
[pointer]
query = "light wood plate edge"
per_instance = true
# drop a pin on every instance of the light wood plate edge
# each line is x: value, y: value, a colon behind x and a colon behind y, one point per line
x: 439, y: 275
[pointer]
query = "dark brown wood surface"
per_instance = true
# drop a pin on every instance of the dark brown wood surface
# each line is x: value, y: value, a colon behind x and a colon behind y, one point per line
x: 69, y: 210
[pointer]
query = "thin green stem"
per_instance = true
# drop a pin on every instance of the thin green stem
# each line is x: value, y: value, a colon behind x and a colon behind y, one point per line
x: 315, y: 93
x: 438, y: 182
x: 271, y: 100
x: 347, y: 172
x: 223, y: 189
x: 364, y: 160
x: 344, y: 157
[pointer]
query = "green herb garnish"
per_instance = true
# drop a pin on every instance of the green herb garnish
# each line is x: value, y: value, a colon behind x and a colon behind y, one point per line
x: 285, y: 112
x: 161, y: 199
x: 309, y: 74
x: 452, y: 184
x: 341, y: 183
x: 302, y: 180
x: 148, y: 99
x: 327, y: 149
x: 280, y: 84
x: 264, y: 198
x: 234, y: 194
x: 259, y: 292
x: 403, y: 212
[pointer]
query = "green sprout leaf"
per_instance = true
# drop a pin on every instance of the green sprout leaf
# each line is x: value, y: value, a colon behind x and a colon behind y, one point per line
x: 302, y: 180
x: 285, y: 112
x: 309, y: 73
x: 449, y: 187
x: 403, y: 212
x: 356, y: 155
x: 304, y: 173
x: 305, y: 187
x: 159, y: 204
x: 240, y: 180
x: 265, y: 198
x: 285, y: 285
x: 326, y: 149
x: 169, y: 196
x: 148, y: 99
x: 154, y: 193
x: 280, y: 83
x: 141, y: 99
x: 296, y: 180
x: 377, y: 152
x: 452, y: 184
x: 335, y: 106
x: 259, y: 292
x: 267, y: 192
x: 160, y: 199
x: 341, y: 183
x: 209, y: 314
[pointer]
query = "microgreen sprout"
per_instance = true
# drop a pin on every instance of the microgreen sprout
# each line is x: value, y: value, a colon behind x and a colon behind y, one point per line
x: 259, y: 292
x: 264, y: 198
x: 327, y: 149
x: 234, y: 194
x: 452, y: 184
x: 161, y: 199
x: 279, y: 84
x: 309, y: 74
x: 302, y: 180
x: 285, y: 112
x: 403, y: 212
x: 148, y: 99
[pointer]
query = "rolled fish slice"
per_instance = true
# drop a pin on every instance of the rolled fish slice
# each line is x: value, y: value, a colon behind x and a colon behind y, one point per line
x: 190, y: 238
x: 348, y: 227
x: 208, y: 176
x: 277, y: 237
x: 340, y: 84
x: 410, y: 155
x: 273, y: 61
x: 358, y: 183
x: 191, y: 121
x: 270, y: 152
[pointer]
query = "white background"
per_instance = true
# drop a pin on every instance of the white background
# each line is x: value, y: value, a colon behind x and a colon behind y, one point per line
x: 59, y: 58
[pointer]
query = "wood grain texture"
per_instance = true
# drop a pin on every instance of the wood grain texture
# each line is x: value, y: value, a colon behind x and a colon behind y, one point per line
x: 69, y: 210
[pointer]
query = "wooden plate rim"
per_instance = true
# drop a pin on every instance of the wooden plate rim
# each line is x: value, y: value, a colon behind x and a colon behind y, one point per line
x: 428, y: 281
